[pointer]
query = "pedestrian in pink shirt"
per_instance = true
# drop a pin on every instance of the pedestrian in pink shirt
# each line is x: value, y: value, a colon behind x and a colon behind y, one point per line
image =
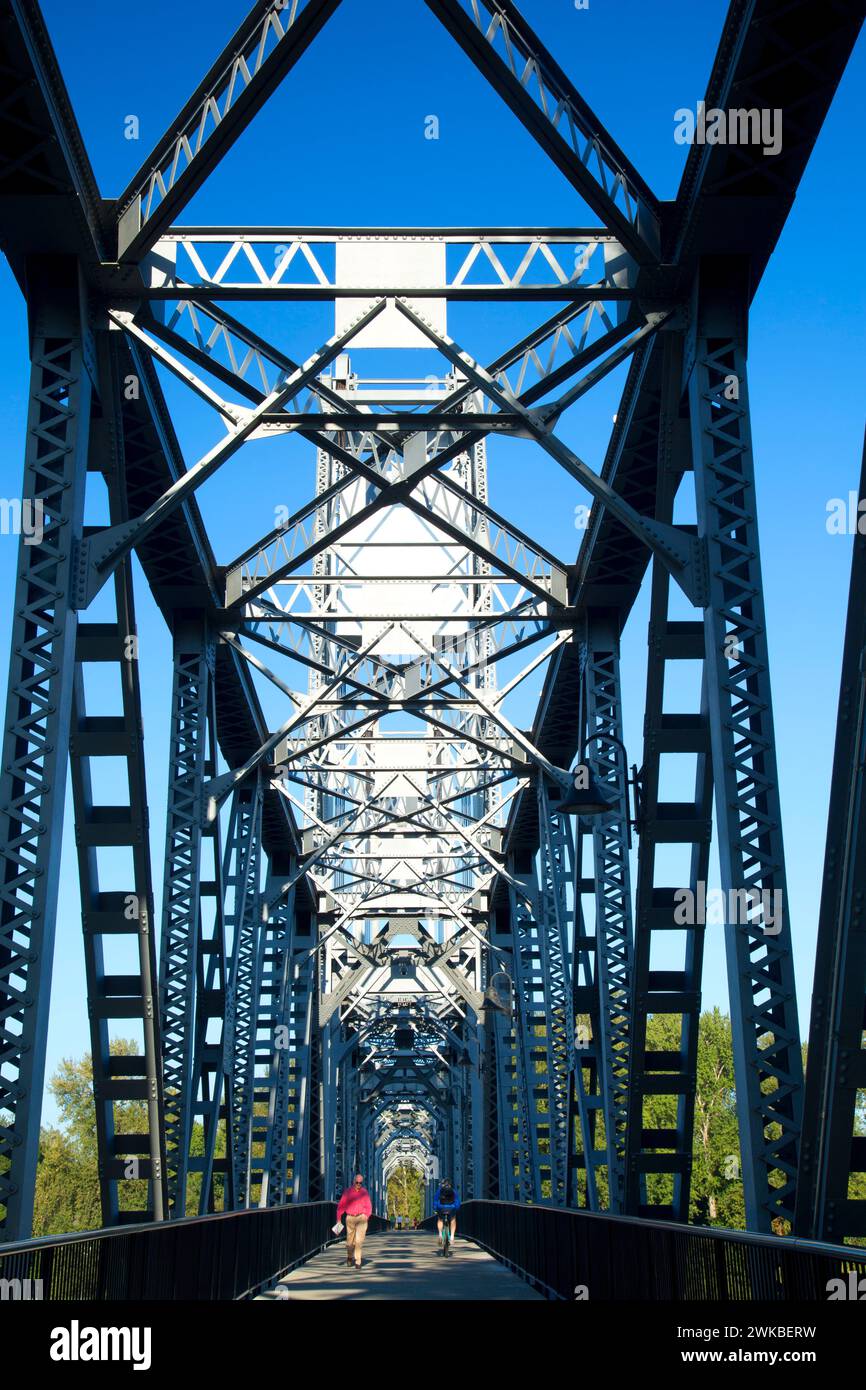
x: 355, y: 1204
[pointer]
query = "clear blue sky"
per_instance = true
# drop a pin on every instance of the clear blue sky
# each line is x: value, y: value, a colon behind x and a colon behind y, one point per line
x: 343, y: 142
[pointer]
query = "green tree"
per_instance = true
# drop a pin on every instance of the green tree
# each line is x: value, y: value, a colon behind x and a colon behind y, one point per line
x: 67, y: 1176
x: 717, y: 1189
x: 405, y: 1193
x: 67, y: 1188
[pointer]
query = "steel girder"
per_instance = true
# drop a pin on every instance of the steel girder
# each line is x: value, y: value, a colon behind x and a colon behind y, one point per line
x: 605, y: 757
x: 833, y: 1155
x: 303, y: 1068
x: 474, y: 1178
x: 270, y: 1171
x: 266, y: 45
x: 315, y: 1113
x: 133, y: 1157
x: 242, y: 881
x: 503, y: 46
x: 555, y: 264
x: 585, y: 1099
x: 766, y: 1037
x: 542, y: 1020
x: 501, y: 1167
x: 661, y: 822
x: 192, y: 962
x: 38, y: 709
x: 555, y: 873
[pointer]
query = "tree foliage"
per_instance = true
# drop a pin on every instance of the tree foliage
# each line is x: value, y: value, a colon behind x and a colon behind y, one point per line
x: 406, y: 1193
x: 67, y: 1175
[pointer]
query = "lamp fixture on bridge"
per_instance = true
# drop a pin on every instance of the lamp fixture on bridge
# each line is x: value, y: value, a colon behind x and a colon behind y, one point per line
x: 597, y: 798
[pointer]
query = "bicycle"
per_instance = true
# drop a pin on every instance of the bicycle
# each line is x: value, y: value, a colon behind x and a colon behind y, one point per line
x: 446, y: 1236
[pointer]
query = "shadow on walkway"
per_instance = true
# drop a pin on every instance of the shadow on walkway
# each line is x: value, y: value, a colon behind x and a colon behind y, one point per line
x: 403, y: 1265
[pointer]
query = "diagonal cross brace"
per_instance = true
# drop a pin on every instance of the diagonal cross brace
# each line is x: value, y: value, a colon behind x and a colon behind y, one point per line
x: 557, y: 117
x: 101, y: 554
x: 274, y: 35
x: 682, y: 553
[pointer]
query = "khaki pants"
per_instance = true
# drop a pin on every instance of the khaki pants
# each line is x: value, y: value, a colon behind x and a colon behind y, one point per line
x: 356, y: 1229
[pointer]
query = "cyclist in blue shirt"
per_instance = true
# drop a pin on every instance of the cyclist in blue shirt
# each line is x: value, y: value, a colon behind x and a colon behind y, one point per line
x: 446, y: 1204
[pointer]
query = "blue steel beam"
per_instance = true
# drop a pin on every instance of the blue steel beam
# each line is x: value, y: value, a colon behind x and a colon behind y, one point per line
x: 37, y: 727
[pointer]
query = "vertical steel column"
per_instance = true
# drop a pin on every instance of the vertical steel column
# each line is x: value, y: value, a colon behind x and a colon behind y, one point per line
x: 606, y: 759
x: 328, y: 1047
x: 832, y: 1151
x: 586, y: 1101
x: 124, y: 916
x: 346, y: 1150
x: 336, y: 1178
x: 475, y: 1184
x: 274, y: 1022
x: 38, y: 707
x: 528, y: 1175
x: 458, y: 1126
x: 242, y: 874
x: 182, y: 926
x: 766, y: 1038
x: 212, y: 1103
x: 303, y: 1071
x: 670, y: 735
x: 314, y: 1113
x: 555, y: 869
x: 540, y: 982
x: 502, y: 1073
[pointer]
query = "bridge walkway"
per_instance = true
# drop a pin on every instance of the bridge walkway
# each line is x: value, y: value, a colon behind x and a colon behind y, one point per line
x: 404, y: 1265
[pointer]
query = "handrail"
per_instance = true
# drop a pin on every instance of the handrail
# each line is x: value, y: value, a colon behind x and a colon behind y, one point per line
x: 226, y: 1255
x: 569, y: 1254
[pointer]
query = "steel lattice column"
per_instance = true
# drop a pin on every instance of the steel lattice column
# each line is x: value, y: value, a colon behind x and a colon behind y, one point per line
x: 476, y: 1180
x: 241, y: 875
x: 274, y: 1022
x: 672, y: 735
x: 766, y: 1038
x: 586, y: 1101
x: 303, y: 1073
x: 127, y: 913
x: 181, y: 960
x: 542, y: 1077
x: 329, y: 1048
x: 528, y: 1019
x: 348, y: 1082
x: 35, y: 740
x: 605, y: 758
x: 501, y: 1075
x: 314, y: 1116
x: 832, y: 1153
x: 555, y: 871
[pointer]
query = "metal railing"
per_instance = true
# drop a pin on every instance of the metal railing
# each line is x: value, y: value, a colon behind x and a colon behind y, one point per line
x: 576, y: 1254
x: 230, y: 1255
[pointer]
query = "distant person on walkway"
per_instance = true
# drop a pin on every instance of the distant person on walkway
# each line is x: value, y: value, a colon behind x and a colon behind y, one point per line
x: 356, y: 1206
x: 446, y: 1204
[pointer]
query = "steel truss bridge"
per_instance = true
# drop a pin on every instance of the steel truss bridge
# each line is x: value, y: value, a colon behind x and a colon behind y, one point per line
x: 396, y: 926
